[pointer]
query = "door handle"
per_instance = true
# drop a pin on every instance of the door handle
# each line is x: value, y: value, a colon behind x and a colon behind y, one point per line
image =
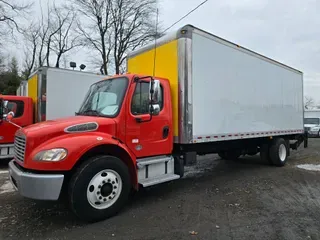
x: 165, y: 132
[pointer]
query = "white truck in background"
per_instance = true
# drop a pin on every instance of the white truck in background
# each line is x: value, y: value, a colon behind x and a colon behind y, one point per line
x: 312, y: 122
x: 48, y: 94
x: 57, y: 92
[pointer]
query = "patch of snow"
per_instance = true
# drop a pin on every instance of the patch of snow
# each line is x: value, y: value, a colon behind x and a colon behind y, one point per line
x: 6, y: 187
x: 310, y: 167
x: 4, y: 171
x: 193, y: 171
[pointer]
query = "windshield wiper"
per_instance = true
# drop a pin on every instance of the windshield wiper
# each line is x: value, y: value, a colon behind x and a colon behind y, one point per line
x: 90, y: 112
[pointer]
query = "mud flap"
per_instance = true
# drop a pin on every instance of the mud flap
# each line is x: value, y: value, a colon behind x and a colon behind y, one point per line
x: 305, y: 140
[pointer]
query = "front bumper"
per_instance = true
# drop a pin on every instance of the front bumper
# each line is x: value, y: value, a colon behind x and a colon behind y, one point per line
x: 313, y: 133
x: 34, y: 185
x: 6, y: 151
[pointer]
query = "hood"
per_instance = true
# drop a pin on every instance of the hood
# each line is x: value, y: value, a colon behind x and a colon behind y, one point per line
x: 310, y: 125
x: 49, y: 129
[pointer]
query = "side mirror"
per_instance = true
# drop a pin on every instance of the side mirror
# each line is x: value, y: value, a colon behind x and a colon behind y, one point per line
x: 154, y: 97
x: 154, y: 92
x: 155, y: 109
x: 3, y: 109
x: 5, y: 104
x: 9, y: 116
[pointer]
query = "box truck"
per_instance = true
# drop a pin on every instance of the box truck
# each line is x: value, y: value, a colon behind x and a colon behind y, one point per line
x: 49, y: 93
x: 312, y: 122
x: 139, y: 129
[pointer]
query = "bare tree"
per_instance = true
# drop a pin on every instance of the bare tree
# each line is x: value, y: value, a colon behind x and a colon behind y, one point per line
x: 31, y: 35
x: 55, y: 35
x: 10, y: 10
x: 64, y: 38
x: 113, y: 27
x: 44, y: 25
x: 309, y: 102
x: 95, y: 27
x: 133, y: 25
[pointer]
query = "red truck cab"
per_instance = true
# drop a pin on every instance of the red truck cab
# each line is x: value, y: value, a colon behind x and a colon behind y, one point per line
x: 94, y: 155
x: 23, y: 116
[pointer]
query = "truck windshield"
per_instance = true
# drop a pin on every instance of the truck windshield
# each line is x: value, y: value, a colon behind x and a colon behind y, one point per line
x: 104, y: 98
x: 311, y: 121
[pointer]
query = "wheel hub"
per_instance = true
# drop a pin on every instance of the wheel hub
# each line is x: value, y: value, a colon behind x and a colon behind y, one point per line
x: 282, y: 152
x: 104, y: 189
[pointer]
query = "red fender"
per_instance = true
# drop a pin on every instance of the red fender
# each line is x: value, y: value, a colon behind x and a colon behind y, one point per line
x: 77, y: 146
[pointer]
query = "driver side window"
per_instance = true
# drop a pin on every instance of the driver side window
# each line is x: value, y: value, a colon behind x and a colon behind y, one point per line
x: 140, y: 99
x: 17, y: 107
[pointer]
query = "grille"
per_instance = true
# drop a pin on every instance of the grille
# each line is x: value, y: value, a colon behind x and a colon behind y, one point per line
x: 19, y: 147
x: 307, y: 128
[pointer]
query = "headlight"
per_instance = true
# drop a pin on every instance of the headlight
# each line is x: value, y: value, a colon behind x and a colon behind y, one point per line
x: 51, y: 155
x: 315, y: 129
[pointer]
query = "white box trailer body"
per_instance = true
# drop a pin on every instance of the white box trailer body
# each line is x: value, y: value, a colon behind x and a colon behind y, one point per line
x: 224, y: 91
x: 22, y: 89
x: 58, y: 92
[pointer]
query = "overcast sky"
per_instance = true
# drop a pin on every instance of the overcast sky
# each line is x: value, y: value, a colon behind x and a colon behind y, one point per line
x: 285, y: 30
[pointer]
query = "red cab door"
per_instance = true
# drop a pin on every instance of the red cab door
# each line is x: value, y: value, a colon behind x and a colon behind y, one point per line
x: 143, y: 137
x: 20, y: 108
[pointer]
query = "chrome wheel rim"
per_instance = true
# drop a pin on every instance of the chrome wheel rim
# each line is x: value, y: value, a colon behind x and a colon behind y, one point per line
x: 282, y: 152
x: 104, y: 189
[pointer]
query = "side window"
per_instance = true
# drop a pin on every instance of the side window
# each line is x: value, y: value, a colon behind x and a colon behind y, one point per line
x: 140, y: 99
x: 17, y: 107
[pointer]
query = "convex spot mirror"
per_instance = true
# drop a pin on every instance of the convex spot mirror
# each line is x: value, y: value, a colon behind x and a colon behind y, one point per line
x: 154, y: 96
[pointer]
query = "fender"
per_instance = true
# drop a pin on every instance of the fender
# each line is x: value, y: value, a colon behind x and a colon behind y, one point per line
x: 77, y: 145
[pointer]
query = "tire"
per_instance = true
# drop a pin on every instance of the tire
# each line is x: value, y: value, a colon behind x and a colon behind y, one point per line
x: 99, y: 188
x: 279, y: 152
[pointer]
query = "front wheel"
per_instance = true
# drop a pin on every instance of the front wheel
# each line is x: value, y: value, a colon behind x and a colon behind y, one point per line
x: 99, y: 188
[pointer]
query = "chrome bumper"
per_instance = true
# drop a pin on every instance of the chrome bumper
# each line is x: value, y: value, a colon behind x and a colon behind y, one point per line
x: 313, y: 133
x: 35, y: 186
x: 6, y: 151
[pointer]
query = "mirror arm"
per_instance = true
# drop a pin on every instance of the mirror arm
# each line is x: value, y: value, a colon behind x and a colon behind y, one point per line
x: 137, y: 79
x: 16, y: 125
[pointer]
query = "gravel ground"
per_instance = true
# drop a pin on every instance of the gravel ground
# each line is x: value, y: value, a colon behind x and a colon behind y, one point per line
x: 245, y: 199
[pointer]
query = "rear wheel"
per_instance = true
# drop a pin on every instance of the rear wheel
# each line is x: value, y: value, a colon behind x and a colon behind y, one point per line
x: 279, y: 152
x: 99, y: 188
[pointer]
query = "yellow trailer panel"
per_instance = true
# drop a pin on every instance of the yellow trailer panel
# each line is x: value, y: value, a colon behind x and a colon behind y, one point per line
x: 166, y: 66
x: 33, y: 92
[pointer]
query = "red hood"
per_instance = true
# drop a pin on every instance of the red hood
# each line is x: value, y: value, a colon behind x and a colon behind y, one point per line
x: 49, y: 129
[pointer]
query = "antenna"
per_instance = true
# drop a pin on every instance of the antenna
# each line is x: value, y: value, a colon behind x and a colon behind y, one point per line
x: 199, y: 5
x: 155, y: 45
